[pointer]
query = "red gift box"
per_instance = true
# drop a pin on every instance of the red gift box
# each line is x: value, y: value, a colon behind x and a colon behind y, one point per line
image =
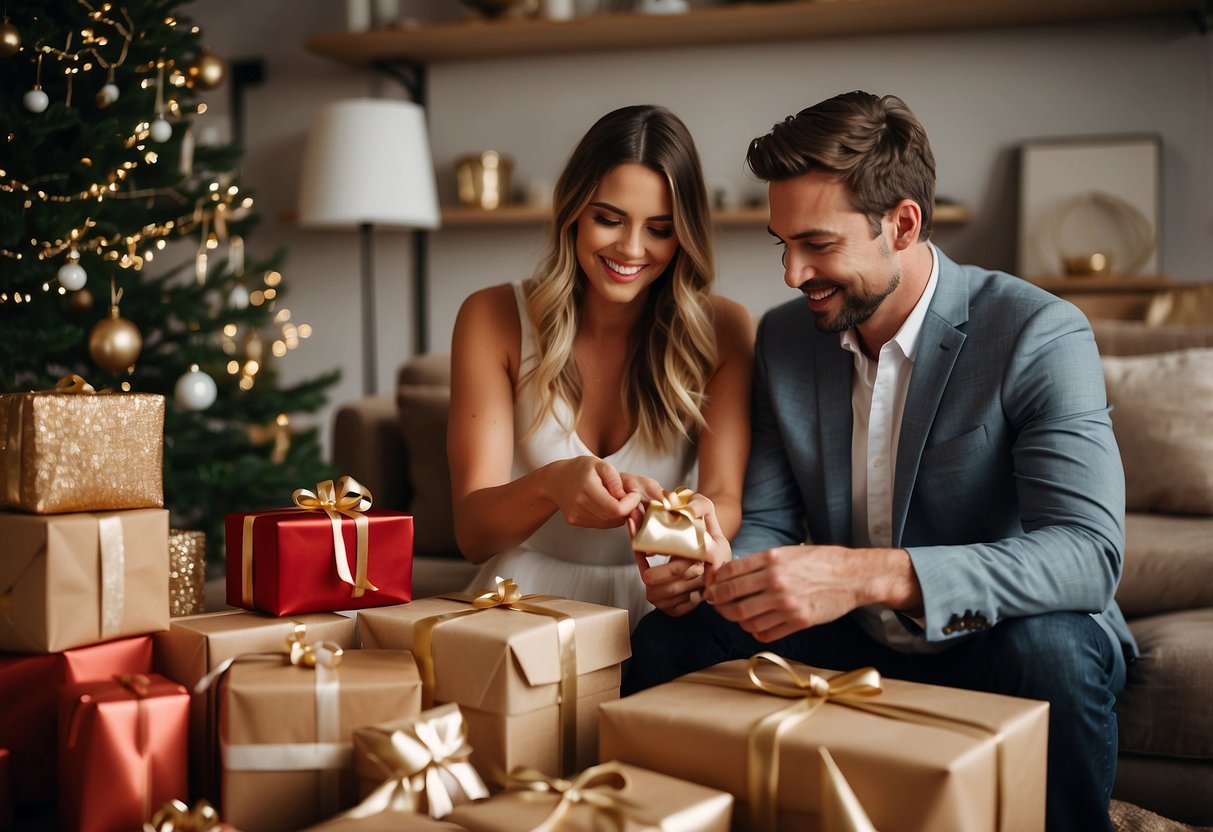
x: 122, y: 751
x: 28, y: 715
x: 292, y: 561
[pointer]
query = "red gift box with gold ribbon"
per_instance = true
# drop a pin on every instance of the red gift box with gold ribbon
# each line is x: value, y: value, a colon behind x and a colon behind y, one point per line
x: 28, y: 707
x: 122, y: 751
x: 332, y: 552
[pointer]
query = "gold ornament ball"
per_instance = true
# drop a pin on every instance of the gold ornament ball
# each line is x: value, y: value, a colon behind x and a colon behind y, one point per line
x: 114, y: 343
x: 10, y: 40
x: 207, y: 71
x: 80, y: 300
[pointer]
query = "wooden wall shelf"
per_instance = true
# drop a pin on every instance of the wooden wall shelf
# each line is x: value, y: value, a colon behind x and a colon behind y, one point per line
x: 731, y: 23
x: 518, y: 215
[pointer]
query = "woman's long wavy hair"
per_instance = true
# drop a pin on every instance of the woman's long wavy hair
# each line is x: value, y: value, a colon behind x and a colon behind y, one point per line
x: 675, y: 352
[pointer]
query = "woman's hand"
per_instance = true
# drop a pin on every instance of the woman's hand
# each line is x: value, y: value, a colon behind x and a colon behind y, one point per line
x: 591, y: 493
x: 676, y: 587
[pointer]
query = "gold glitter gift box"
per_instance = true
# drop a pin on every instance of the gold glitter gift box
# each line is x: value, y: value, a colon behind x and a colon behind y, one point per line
x: 71, y: 449
x: 186, y: 572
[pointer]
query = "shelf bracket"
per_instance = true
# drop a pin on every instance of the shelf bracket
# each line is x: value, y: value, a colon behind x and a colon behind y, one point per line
x: 409, y: 74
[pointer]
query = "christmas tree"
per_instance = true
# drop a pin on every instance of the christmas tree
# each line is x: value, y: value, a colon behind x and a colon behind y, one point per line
x: 123, y: 256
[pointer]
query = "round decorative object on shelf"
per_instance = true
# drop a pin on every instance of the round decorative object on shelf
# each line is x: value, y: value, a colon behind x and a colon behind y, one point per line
x: 1098, y: 234
x: 484, y: 179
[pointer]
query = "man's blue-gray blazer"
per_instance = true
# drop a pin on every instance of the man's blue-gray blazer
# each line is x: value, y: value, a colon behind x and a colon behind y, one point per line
x: 1009, y: 490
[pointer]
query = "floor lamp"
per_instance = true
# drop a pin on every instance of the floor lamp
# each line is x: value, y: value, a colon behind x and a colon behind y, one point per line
x: 367, y: 165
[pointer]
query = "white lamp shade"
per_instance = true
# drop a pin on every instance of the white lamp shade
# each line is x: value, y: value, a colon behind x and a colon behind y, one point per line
x: 368, y: 162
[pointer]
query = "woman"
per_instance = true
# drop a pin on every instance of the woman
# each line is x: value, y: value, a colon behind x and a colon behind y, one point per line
x: 612, y: 373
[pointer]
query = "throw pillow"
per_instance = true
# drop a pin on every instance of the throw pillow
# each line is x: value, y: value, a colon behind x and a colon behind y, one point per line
x: 423, y: 410
x: 1162, y: 409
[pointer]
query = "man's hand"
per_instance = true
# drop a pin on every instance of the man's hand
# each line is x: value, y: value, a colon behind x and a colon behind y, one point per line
x: 775, y: 593
x: 676, y: 587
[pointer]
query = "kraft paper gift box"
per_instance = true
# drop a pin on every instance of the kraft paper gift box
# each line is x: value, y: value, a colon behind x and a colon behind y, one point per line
x: 916, y: 756
x: 645, y: 799
x: 503, y: 667
x: 195, y: 645
x: 333, y: 552
x: 29, y: 712
x: 67, y: 580
x: 72, y: 450
x: 122, y: 751
x: 386, y: 822
x: 285, y: 732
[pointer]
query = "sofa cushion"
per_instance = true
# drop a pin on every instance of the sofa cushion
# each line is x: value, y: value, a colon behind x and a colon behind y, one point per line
x: 423, y: 410
x: 1114, y: 337
x: 1162, y: 406
x: 1160, y: 711
x: 428, y: 369
x: 1168, y: 564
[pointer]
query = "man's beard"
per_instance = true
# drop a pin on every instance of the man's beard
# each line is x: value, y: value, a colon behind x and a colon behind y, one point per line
x: 858, y: 308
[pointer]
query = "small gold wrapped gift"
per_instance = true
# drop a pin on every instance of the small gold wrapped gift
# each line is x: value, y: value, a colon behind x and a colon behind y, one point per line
x: 186, y: 572
x: 176, y: 816
x: 74, y: 449
x: 609, y: 796
x: 671, y: 527
x: 418, y: 764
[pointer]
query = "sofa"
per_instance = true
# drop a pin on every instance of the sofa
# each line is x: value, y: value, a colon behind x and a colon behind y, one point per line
x: 1160, y: 383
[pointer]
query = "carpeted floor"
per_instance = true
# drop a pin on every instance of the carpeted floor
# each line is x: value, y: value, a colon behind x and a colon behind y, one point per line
x: 1129, y: 818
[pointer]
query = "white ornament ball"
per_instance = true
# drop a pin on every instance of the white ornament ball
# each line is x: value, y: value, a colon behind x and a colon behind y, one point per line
x: 72, y: 276
x: 36, y: 101
x: 239, y: 298
x: 107, y: 95
x: 195, y: 390
x: 161, y: 130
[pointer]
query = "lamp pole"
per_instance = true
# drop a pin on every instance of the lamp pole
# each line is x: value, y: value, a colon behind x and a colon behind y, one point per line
x: 369, y: 345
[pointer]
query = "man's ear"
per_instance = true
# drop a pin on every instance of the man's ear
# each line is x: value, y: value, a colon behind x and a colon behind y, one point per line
x: 907, y: 221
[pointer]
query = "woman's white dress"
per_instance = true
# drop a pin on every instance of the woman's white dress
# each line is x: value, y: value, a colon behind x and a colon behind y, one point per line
x: 594, y: 565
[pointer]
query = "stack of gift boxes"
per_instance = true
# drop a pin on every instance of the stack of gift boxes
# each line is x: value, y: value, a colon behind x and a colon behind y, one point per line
x: 329, y: 699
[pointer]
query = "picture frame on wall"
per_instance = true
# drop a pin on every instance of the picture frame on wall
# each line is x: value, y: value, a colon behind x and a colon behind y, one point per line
x: 1090, y: 206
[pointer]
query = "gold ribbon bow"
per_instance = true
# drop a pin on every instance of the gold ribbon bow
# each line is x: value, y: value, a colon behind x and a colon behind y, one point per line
x: 853, y: 689
x: 348, y: 498
x: 507, y: 595
x: 426, y: 766
x: 72, y: 383
x: 175, y: 816
x: 671, y: 527
x: 597, y: 787
x: 317, y: 654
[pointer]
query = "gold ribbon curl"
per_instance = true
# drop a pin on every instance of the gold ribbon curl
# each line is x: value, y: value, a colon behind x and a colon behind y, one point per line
x: 852, y: 689
x: 671, y: 527
x: 507, y: 595
x: 175, y: 816
x: 426, y: 766
x: 597, y: 787
x: 348, y: 498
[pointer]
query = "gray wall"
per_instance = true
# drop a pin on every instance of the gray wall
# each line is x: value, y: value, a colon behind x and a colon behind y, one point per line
x: 979, y: 93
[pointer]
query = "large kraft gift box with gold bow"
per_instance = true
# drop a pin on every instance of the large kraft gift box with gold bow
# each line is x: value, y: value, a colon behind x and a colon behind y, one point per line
x: 609, y: 796
x: 68, y: 580
x: 122, y: 751
x: 386, y: 822
x: 917, y: 756
x: 528, y: 672
x: 332, y: 552
x: 285, y: 731
x: 29, y: 708
x: 71, y: 449
x: 195, y: 645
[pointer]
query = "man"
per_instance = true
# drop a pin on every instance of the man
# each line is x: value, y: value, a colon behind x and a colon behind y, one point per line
x: 940, y: 435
